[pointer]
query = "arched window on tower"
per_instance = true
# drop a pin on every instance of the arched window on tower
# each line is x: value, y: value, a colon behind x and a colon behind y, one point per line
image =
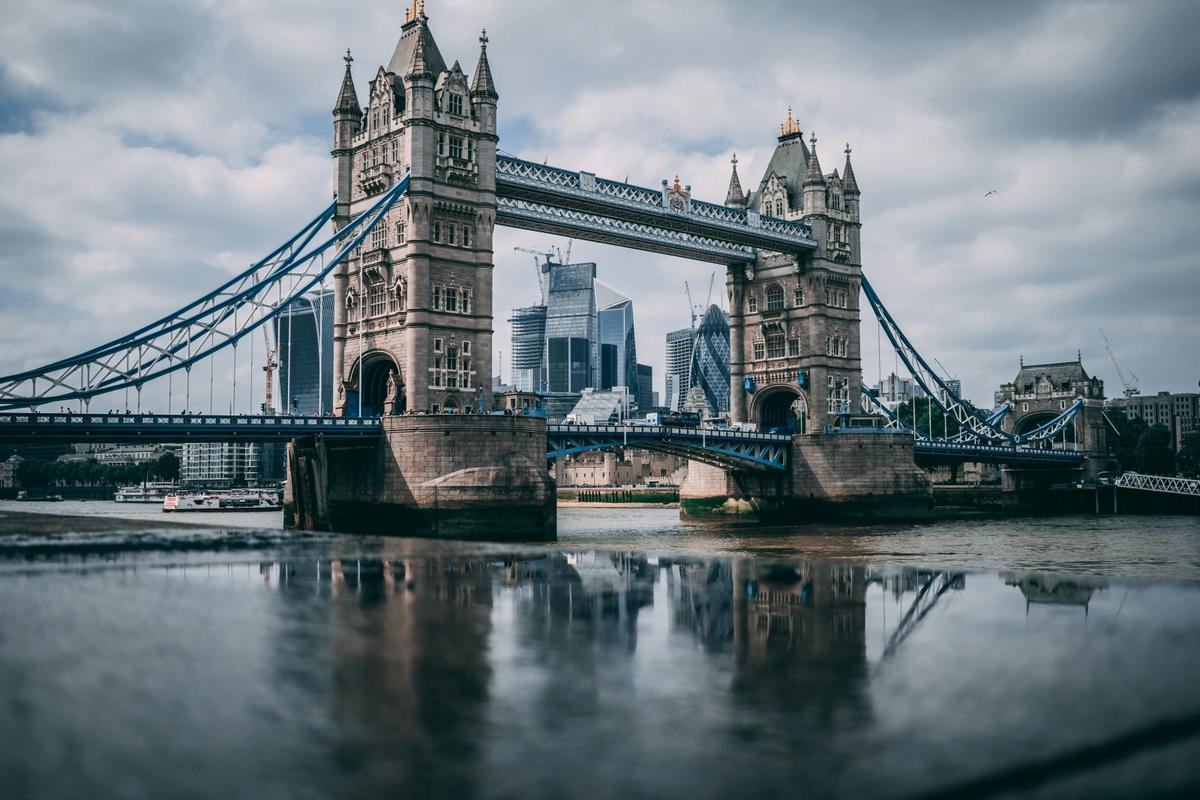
x: 775, y: 298
x: 779, y: 207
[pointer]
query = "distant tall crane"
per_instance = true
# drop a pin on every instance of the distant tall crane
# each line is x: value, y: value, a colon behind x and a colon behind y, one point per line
x: 269, y: 368
x: 537, y: 265
x: 1130, y: 383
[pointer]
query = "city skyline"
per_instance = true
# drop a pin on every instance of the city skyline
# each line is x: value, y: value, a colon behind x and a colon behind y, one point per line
x: 203, y: 153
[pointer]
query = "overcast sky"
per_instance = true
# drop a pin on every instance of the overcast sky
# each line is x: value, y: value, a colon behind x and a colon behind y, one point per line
x: 150, y: 149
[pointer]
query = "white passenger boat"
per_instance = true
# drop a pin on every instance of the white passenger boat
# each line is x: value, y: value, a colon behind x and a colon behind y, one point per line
x: 145, y: 493
x: 223, y: 501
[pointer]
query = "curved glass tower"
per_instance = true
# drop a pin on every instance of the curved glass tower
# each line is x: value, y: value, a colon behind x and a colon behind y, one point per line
x: 709, y: 368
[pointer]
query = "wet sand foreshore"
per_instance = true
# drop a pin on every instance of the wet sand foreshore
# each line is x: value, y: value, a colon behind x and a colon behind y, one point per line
x: 30, y: 523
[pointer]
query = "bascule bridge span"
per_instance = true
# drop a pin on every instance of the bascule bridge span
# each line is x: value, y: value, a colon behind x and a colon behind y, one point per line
x: 420, y: 186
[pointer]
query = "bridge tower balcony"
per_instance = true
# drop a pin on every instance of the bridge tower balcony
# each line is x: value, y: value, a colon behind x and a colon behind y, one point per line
x: 376, y: 179
x: 454, y: 169
x: 838, y: 251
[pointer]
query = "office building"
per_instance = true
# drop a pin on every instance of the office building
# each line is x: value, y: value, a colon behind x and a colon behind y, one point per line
x: 646, y: 396
x: 580, y: 337
x: 709, y: 364
x: 304, y: 334
x: 1180, y: 413
x: 528, y: 345
x: 221, y: 465
x: 679, y: 359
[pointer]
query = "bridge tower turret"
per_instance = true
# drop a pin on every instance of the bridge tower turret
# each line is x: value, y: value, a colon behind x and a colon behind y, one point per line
x: 416, y: 299
x: 794, y: 322
x: 347, y: 121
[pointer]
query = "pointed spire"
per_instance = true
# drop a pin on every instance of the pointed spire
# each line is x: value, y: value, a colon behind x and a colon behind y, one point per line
x: 814, y: 177
x: 347, y: 97
x: 419, y: 63
x: 849, y: 184
x: 483, y: 85
x: 735, y: 197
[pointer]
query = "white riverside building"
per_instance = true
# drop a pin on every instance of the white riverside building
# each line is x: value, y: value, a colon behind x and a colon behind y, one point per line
x: 221, y: 465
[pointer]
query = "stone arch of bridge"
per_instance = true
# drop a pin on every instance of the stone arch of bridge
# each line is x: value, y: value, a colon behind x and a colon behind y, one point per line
x: 783, y: 407
x: 379, y: 398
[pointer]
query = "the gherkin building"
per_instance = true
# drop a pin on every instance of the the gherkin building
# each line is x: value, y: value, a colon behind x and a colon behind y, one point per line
x: 710, y: 359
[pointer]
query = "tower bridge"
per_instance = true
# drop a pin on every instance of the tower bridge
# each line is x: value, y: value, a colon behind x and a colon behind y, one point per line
x: 420, y: 187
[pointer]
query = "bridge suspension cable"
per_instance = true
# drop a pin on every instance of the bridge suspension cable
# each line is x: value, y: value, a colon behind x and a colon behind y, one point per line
x: 974, y: 425
x: 205, y: 326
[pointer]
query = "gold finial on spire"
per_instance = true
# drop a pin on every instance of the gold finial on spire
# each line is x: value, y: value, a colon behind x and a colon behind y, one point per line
x: 847, y: 150
x: 483, y: 39
x: 415, y: 11
x: 734, y: 160
x: 790, y: 126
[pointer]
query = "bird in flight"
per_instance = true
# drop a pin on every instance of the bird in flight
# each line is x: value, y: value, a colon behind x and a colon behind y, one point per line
x: 991, y: 192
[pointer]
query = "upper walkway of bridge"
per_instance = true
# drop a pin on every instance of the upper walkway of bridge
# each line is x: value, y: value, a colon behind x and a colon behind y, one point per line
x: 667, y: 220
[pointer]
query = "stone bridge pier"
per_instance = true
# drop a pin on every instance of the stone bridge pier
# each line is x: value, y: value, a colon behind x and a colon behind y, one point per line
x: 459, y: 476
x: 846, y: 475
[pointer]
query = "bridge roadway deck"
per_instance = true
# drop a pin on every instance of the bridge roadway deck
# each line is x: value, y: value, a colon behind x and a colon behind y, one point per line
x: 728, y: 448
x: 132, y: 428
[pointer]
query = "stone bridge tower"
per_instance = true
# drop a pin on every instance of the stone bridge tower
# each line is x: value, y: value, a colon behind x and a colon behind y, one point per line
x: 413, y: 313
x: 794, y: 323
x: 1040, y: 392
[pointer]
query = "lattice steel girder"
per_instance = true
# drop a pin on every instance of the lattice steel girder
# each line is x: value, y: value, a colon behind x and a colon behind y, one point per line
x: 730, y: 449
x: 549, y: 218
x: 1159, y: 483
x: 734, y: 229
x: 35, y: 427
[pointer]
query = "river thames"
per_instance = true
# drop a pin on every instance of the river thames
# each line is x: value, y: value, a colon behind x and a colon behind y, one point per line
x: 637, y: 657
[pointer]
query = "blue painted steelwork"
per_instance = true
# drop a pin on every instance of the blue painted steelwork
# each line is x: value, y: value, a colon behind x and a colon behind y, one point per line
x: 37, y: 427
x: 197, y: 331
x: 942, y: 452
x: 554, y: 200
x: 895, y: 422
x: 723, y: 448
x: 976, y: 427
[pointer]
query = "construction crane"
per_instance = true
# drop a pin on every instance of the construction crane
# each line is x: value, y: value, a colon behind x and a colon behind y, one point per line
x: 269, y: 369
x: 694, y: 310
x: 537, y: 265
x: 1130, y: 383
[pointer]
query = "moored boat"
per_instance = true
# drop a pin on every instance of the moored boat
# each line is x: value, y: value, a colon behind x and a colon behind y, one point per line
x: 145, y: 493
x: 223, y: 501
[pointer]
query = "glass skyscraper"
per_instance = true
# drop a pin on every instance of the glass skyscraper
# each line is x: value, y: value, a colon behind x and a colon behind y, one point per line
x: 679, y: 360
x: 709, y: 367
x: 304, y: 333
x: 528, y: 346
x: 580, y: 337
